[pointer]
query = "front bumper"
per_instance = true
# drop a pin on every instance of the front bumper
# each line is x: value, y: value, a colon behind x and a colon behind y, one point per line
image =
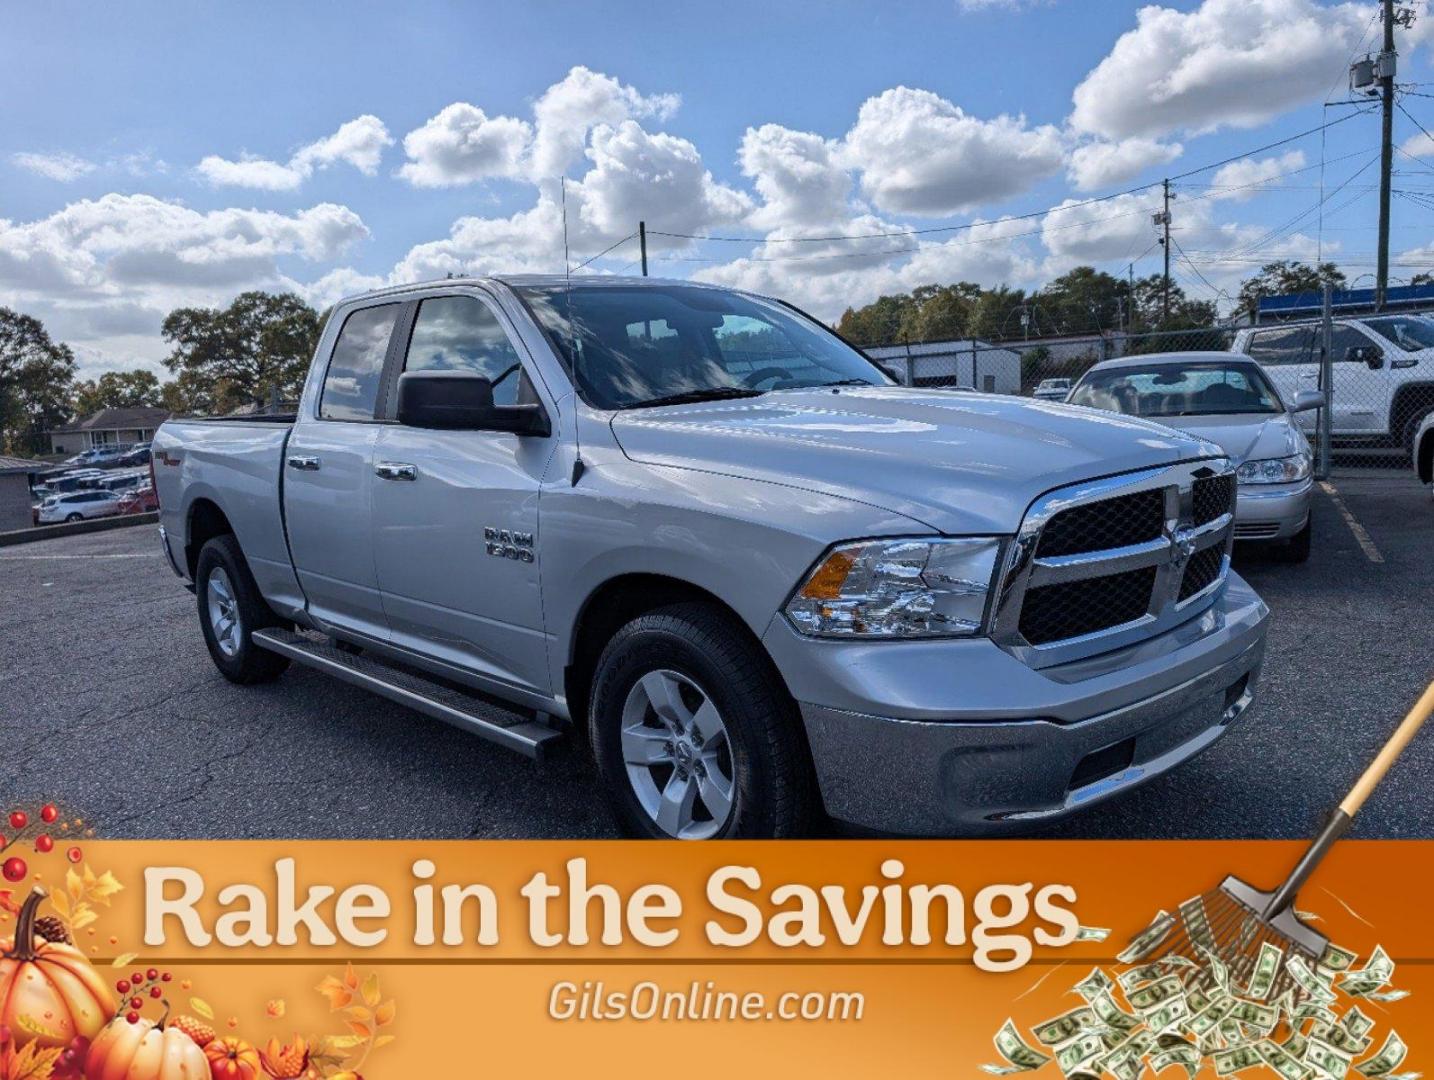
x: 1272, y: 512
x: 959, y: 737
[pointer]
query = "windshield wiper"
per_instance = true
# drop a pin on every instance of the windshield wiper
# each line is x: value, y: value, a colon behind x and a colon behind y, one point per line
x: 711, y: 393
x: 846, y: 382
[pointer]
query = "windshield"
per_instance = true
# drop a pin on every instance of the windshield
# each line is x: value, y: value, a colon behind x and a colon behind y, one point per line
x: 629, y: 346
x: 1178, y: 390
x: 1410, y: 332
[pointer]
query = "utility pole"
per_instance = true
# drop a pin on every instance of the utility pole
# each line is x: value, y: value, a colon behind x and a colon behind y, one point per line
x: 1165, y: 244
x: 1385, y: 69
x: 642, y: 242
x: 1130, y: 277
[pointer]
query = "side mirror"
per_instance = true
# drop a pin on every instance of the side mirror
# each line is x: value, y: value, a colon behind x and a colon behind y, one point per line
x: 1371, y: 355
x: 1306, y: 400
x: 462, y: 401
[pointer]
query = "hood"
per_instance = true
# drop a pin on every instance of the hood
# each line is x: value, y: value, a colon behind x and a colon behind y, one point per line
x: 958, y: 462
x: 1247, y: 437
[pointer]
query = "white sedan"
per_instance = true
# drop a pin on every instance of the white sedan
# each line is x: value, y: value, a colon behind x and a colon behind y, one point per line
x: 78, y: 506
x: 1228, y: 400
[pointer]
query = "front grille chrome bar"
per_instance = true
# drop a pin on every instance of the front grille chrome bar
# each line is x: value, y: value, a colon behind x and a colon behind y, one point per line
x: 1169, y: 554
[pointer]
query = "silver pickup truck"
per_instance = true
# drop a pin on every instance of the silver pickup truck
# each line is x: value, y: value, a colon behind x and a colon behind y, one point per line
x: 694, y: 531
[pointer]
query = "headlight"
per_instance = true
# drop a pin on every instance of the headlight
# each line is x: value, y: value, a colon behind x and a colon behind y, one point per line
x: 898, y: 589
x: 1285, y: 470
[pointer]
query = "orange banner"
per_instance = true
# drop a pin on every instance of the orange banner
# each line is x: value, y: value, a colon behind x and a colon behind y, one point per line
x: 415, y: 958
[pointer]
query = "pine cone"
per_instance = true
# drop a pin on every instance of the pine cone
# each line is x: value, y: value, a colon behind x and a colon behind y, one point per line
x: 52, y: 929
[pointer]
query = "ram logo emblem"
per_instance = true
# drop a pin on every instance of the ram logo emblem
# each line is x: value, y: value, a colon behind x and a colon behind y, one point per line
x: 508, y: 544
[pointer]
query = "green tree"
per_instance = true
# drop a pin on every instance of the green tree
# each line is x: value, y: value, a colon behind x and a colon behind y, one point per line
x: 939, y: 312
x: 242, y: 353
x: 36, y: 374
x: 117, y: 390
x: 1288, y: 277
x: 878, y: 323
x: 996, y: 314
x: 1084, y: 300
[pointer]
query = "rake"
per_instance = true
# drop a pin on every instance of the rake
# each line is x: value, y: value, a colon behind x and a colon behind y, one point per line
x: 1235, y: 920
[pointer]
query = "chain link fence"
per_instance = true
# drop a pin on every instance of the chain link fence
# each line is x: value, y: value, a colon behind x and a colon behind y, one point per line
x: 1378, y: 378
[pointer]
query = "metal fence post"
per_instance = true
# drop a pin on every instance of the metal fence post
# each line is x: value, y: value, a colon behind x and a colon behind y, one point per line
x: 910, y: 367
x: 1326, y: 381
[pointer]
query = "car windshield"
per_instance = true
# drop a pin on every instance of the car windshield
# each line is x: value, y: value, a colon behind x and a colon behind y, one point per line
x: 630, y: 346
x: 1410, y: 332
x: 1207, y: 389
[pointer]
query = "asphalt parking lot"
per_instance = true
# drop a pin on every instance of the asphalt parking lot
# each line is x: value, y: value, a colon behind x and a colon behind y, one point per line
x: 109, y: 703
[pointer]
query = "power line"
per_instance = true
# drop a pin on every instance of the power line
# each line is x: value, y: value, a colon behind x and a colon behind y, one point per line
x: 604, y: 251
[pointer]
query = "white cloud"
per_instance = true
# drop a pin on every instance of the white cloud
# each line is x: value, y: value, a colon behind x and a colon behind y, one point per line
x: 1241, y: 180
x: 580, y: 102
x: 797, y: 175
x: 359, y: 142
x: 1100, y: 164
x: 463, y: 144
x: 61, y: 167
x: 920, y: 154
x: 111, y: 267
x: 1420, y: 145
x: 1227, y: 63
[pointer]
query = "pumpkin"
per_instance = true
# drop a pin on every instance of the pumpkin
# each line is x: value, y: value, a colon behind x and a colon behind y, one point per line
x: 49, y: 994
x: 231, y: 1058
x: 144, y: 1050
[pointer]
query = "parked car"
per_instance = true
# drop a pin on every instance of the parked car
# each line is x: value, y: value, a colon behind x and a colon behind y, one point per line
x: 1228, y: 401
x: 761, y: 578
x: 1424, y: 452
x: 141, y: 500
x: 138, y: 454
x: 1052, y: 389
x: 77, y: 506
x: 122, y: 480
x: 1382, y: 365
x: 72, y: 479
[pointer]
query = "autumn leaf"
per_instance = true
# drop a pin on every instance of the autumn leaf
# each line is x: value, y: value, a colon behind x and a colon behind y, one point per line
x: 359, y: 1013
x: 363, y: 1031
x: 202, y: 1007
x: 33, y: 1063
x: 103, y: 888
x: 74, y: 885
x: 384, y: 1014
x: 351, y: 979
x: 7, y: 902
x: 371, y: 993
x: 61, y: 903
x: 337, y: 993
x: 276, y: 1008
x: 123, y: 960
x: 383, y: 1040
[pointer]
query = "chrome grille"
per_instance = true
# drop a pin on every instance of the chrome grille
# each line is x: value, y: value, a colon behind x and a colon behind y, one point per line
x: 1109, y: 523
x: 1105, y: 564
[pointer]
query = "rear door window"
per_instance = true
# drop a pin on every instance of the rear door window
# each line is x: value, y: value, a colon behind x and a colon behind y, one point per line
x: 1287, y: 345
x: 356, y: 369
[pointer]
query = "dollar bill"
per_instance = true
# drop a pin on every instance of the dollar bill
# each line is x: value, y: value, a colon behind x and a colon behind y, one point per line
x: 1185, y: 1056
x: 1092, y: 933
x: 1375, y: 974
x: 1236, y: 1059
x: 1208, y: 1019
x: 1313, y: 1010
x: 1391, y: 1055
x: 1144, y: 973
x: 1329, y: 1060
x: 1387, y: 995
x: 1112, y: 1015
x: 1308, y: 981
x: 1168, y: 1015
x: 1079, y: 1052
x: 1296, y: 1044
x: 1340, y: 1037
x: 1019, y: 1056
x: 1218, y: 971
x: 1282, y: 1061
x: 1094, y: 984
x: 1064, y: 1028
x: 1153, y: 995
x: 1336, y: 959
x: 1149, y: 939
x: 1259, y: 1016
x: 1267, y: 966
x: 1355, y: 1022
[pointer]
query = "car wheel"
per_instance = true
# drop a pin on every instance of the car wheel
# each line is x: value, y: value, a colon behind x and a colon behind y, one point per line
x: 694, y: 735
x: 74, y: 517
x: 230, y: 610
x: 1297, y: 547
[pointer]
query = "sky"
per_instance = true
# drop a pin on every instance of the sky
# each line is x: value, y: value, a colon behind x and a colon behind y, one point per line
x: 157, y: 154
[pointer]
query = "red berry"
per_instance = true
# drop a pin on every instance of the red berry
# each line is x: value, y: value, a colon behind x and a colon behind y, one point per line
x: 166, y: 977
x: 74, y: 854
x: 155, y: 991
x: 43, y: 844
x: 122, y: 986
x: 14, y: 869
x: 132, y: 1017
x: 19, y: 819
x: 152, y: 974
x: 136, y: 1003
x: 48, y: 813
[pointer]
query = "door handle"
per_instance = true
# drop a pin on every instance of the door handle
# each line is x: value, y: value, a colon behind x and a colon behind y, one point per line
x: 396, y: 470
x: 305, y: 464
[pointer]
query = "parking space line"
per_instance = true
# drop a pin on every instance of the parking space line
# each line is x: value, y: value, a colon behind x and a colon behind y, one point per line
x: 97, y: 555
x: 1365, y: 543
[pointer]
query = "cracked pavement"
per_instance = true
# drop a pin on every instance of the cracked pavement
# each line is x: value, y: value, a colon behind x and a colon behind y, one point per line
x: 109, y: 703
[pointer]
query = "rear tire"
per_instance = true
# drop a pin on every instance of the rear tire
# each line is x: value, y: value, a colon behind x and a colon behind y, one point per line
x: 231, y: 608
x: 70, y: 519
x: 1297, y: 547
x: 694, y: 735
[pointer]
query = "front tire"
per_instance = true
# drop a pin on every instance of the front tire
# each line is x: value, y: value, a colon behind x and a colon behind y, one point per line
x: 70, y: 519
x: 231, y: 608
x: 693, y: 733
